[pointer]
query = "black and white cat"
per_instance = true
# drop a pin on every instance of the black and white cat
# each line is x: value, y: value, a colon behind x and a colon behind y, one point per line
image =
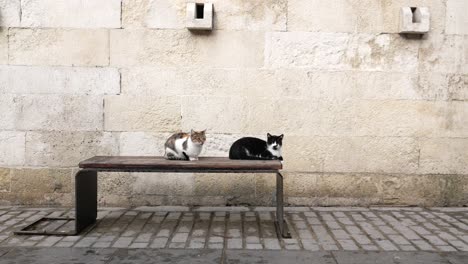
x: 250, y: 148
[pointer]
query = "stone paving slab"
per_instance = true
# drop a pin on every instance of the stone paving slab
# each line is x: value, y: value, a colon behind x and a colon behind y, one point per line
x: 389, y: 258
x: 313, y: 229
x: 186, y: 256
x: 277, y: 257
x: 140, y: 256
x: 56, y: 255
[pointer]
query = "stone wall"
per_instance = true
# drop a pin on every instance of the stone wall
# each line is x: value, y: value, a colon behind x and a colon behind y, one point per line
x: 369, y: 116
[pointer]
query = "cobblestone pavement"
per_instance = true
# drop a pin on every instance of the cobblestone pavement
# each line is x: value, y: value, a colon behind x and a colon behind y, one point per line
x: 313, y: 228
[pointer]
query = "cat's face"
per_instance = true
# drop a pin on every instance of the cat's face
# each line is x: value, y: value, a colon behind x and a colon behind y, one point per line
x: 198, y: 137
x: 275, y: 142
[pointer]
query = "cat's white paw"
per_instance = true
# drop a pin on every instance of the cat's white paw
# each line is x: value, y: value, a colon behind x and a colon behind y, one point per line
x: 193, y: 158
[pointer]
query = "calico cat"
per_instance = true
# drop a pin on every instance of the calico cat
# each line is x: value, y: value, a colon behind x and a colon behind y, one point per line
x: 184, y: 146
x: 249, y: 148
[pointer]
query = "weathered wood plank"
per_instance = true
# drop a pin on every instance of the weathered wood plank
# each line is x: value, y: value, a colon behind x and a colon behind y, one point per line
x: 161, y: 164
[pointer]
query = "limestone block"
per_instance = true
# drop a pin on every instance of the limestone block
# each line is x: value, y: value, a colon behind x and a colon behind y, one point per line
x: 8, y: 108
x: 352, y: 185
x: 62, y: 47
x: 302, y: 153
x: 442, y: 53
x: 336, y: 117
x: 3, y: 45
x: 421, y: 190
x: 363, y: 16
x: 456, y: 189
x: 59, y: 112
x: 5, y: 180
x: 66, y: 149
x: 170, y: 48
x: 399, y: 118
x: 455, y: 123
x: 414, y: 20
x: 41, y: 181
x: 142, y: 143
x: 457, y: 87
x: 216, y: 114
x: 163, y: 184
x: 71, y: 13
x: 303, y: 49
x: 268, y: 15
x: 388, y: 86
x: 10, y: 13
x: 12, y: 148
x: 218, y: 145
x: 229, y: 15
x: 324, y: 16
x: 115, y: 184
x: 341, y: 51
x: 199, y: 16
x: 444, y: 155
x: 215, y: 184
x: 153, y: 14
x: 283, y: 116
x: 456, y: 18
x: 298, y: 184
x: 464, y: 69
x: 371, y: 154
x: 59, y: 80
x: 154, y: 114
x: 29, y: 199
x: 384, y: 52
x: 150, y: 81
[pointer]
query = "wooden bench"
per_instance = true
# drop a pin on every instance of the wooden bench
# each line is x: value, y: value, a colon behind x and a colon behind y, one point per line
x: 86, y: 183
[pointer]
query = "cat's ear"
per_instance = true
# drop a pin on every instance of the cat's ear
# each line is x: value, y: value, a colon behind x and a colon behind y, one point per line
x: 204, y: 131
x: 268, y: 135
x: 281, y: 136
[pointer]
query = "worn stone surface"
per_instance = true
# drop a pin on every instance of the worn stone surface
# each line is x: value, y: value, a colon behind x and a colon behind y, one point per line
x: 369, y: 116
x: 229, y: 15
x: 203, y: 112
x: 29, y: 184
x: 3, y: 45
x: 368, y: 16
x: 59, y: 113
x: 66, y: 149
x: 5, y: 180
x: 456, y: 20
x: 442, y: 53
x: 10, y: 13
x: 240, y: 187
x: 341, y: 51
x: 66, y: 47
x: 71, y: 14
x: 8, y: 107
x: 444, y: 155
x: 12, y: 148
x: 413, y: 189
x: 363, y: 154
x: 142, y: 114
x: 170, y: 48
x: 58, y: 80
x: 164, y: 184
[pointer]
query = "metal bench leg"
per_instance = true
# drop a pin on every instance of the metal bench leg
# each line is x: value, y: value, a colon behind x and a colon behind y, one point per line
x: 281, y: 225
x: 85, y: 199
